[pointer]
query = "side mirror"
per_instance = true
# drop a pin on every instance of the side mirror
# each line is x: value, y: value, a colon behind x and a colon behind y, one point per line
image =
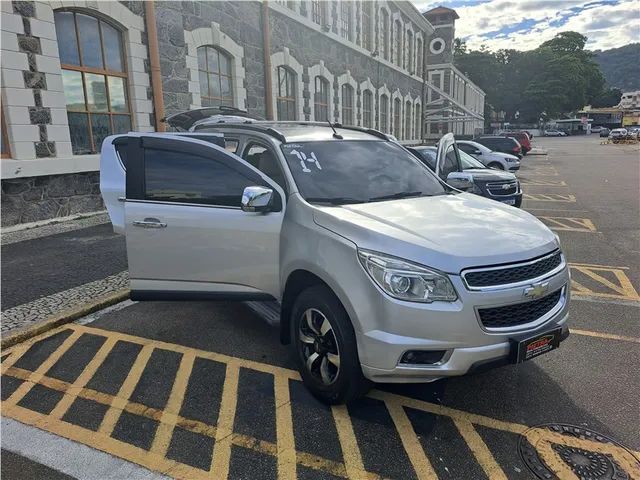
x: 460, y: 180
x: 477, y: 152
x: 256, y: 199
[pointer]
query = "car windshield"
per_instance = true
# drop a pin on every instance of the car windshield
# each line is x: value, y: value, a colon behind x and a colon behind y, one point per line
x: 339, y: 172
x: 468, y: 162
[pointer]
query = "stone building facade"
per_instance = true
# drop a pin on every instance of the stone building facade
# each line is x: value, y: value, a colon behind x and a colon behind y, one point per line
x: 75, y: 71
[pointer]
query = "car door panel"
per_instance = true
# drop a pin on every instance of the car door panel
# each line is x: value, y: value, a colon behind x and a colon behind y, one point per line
x: 202, y: 249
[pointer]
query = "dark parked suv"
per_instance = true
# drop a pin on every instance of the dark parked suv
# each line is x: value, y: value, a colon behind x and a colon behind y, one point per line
x: 498, y: 143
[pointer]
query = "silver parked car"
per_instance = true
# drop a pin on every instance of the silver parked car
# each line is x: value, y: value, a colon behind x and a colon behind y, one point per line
x: 499, y: 160
x: 382, y: 271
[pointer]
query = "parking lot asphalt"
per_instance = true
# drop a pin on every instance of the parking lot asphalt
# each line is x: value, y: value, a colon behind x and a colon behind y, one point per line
x: 205, y: 390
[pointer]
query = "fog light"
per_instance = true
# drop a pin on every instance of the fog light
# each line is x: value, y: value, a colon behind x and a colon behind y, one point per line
x: 422, y: 357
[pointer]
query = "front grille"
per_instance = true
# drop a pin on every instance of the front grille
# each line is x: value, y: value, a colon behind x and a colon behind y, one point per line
x: 498, y: 189
x: 515, y: 274
x: 520, y: 313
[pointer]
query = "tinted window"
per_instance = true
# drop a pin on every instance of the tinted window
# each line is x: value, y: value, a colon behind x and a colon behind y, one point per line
x: 450, y: 163
x: 264, y: 160
x: 178, y: 177
x: 427, y: 156
x: 357, y: 171
x: 466, y: 148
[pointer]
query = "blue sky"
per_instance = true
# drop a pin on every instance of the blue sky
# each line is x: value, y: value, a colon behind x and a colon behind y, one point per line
x: 524, y: 24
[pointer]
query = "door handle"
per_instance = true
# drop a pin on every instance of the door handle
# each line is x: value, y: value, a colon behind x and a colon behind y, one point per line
x: 149, y: 223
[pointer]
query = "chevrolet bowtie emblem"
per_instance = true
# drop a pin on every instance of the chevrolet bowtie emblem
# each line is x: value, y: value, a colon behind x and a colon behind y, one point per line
x: 536, y: 291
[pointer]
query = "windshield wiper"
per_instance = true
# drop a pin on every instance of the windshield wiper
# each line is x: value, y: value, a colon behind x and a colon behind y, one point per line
x: 333, y: 200
x: 394, y: 196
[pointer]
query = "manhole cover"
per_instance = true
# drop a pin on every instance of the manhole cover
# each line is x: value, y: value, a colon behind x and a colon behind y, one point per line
x: 566, y: 451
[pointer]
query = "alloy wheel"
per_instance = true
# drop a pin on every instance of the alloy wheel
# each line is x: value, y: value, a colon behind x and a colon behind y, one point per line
x: 319, y: 347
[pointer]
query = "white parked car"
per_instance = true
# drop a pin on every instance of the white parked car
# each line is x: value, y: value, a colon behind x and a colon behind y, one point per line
x: 596, y: 129
x: 383, y: 272
x: 618, y: 133
x: 554, y: 133
x: 486, y: 156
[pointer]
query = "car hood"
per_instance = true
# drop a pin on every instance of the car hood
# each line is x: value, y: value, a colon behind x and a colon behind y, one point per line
x: 446, y: 232
x: 490, y: 174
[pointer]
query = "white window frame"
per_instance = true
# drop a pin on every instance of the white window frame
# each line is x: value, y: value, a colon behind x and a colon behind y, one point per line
x: 284, y: 58
x: 343, y: 79
x: 320, y: 70
x: 368, y: 85
x: 213, y: 36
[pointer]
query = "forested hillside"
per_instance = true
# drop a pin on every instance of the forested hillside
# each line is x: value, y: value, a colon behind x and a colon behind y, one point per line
x: 621, y: 66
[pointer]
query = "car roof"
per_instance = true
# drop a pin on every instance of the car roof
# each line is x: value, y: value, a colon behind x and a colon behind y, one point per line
x: 288, y: 132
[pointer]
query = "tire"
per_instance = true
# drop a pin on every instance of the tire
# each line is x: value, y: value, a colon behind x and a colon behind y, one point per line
x: 496, y: 165
x: 327, y: 382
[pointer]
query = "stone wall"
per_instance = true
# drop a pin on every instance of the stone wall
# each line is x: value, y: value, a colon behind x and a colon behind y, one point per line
x: 239, y: 20
x: 32, y: 199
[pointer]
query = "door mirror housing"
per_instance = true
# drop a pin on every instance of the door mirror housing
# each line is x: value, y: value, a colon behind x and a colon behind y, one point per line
x: 477, y: 152
x: 257, y: 199
x: 460, y: 180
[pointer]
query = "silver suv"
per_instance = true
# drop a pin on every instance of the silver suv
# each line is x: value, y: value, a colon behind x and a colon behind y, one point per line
x: 383, y: 272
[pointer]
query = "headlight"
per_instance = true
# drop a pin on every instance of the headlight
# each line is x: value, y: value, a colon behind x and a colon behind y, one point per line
x: 510, y: 160
x: 407, y: 281
x: 557, y: 239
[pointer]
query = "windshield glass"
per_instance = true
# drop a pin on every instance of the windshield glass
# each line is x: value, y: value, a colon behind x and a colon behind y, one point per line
x: 467, y: 161
x: 339, y: 172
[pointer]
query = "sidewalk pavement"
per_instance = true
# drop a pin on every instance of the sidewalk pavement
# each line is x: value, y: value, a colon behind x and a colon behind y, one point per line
x: 50, y: 269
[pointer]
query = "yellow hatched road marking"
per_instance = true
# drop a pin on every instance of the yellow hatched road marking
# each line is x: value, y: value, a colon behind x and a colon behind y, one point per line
x: 174, y: 404
x: 570, y: 224
x: 542, y: 172
x: 88, y: 372
x: 525, y: 182
x: 224, y: 434
x: 549, y: 197
x: 410, y: 442
x: 480, y: 450
x: 350, y: 450
x: 608, y: 336
x: 284, y: 430
x: 284, y: 449
x: 37, y: 375
x: 120, y: 400
x: 624, y: 290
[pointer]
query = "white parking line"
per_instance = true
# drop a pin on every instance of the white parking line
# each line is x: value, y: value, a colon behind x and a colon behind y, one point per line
x: 67, y: 456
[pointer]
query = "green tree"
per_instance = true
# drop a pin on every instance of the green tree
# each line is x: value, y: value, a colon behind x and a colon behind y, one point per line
x: 558, y: 77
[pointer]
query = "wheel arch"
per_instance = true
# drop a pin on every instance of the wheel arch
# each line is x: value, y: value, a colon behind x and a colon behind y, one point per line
x: 298, y: 280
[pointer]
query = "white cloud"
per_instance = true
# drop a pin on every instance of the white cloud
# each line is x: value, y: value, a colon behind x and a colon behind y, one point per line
x: 607, y: 25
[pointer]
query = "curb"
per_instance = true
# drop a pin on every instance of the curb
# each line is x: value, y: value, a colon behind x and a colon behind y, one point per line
x: 66, y: 316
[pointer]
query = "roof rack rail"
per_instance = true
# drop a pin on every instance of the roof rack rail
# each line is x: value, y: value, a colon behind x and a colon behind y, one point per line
x: 255, y: 126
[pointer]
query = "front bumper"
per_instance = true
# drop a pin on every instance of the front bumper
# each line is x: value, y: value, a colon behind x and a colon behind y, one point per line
x: 454, y: 328
x: 457, y: 361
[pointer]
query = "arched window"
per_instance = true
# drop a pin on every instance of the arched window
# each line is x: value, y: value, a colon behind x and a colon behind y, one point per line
x: 418, y: 127
x: 397, y: 105
x: 366, y: 25
x: 367, y: 110
x: 384, y: 27
x: 286, y: 100
x: 407, y: 121
x: 409, y: 50
x: 419, y: 57
x: 398, y: 38
x: 384, y: 109
x: 94, y: 76
x: 321, y: 100
x: 214, y: 69
x: 347, y: 104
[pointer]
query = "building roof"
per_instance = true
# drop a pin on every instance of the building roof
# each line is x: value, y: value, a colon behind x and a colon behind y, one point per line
x: 441, y: 11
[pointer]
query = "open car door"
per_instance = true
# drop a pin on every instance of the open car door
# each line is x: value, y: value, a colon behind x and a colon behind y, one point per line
x: 448, y: 166
x: 187, y: 236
